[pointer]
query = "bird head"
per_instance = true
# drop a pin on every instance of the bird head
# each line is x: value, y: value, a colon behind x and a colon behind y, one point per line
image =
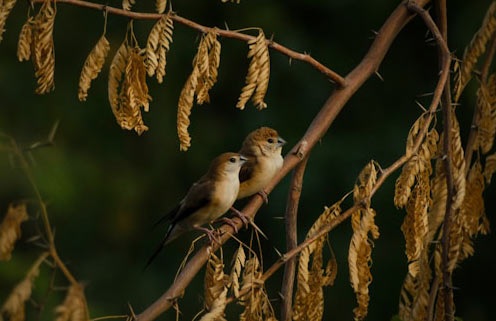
x: 264, y: 141
x: 227, y: 164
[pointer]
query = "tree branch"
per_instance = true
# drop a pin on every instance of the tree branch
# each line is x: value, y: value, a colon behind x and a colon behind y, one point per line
x: 447, y: 121
x: 474, y: 129
x: 317, y: 129
x: 335, y: 77
x: 291, y: 238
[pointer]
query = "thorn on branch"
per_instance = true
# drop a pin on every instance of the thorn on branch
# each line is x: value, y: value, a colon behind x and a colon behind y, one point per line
x: 379, y: 75
x: 301, y: 150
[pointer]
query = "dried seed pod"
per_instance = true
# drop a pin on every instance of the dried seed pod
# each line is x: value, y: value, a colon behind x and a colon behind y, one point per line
x: 157, y: 46
x: 74, y: 307
x: 92, y: 66
x: 26, y: 40
x: 160, y: 5
x: 10, y: 229
x: 5, y: 8
x: 44, y: 49
x: 13, y: 306
x: 257, y: 79
x: 474, y: 50
x: 184, y: 107
x: 359, y: 255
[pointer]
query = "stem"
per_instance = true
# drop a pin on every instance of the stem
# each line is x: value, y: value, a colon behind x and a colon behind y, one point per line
x: 432, y: 298
x: 291, y: 238
x: 447, y: 123
x: 339, y: 80
x: 44, y: 215
x: 474, y: 129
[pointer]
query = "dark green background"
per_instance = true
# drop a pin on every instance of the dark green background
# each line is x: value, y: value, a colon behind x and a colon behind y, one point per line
x: 105, y: 186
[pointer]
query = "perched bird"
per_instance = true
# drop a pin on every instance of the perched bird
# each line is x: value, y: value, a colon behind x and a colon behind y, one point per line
x: 207, y: 199
x: 263, y: 149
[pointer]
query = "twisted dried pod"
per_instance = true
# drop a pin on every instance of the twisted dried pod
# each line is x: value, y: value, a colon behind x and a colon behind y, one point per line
x: 26, y: 40
x: 92, y: 66
x: 184, y: 107
x: 116, y: 71
x: 458, y: 162
x: 359, y: 255
x: 44, y: 49
x: 127, y: 4
x: 257, y: 79
x: 74, y: 307
x: 5, y: 8
x: 14, y: 305
x: 160, y: 5
x: 474, y: 50
x: 157, y: 46
x: 490, y: 167
x: 208, y: 61
x: 239, y: 263
x: 309, y: 297
x: 10, y: 229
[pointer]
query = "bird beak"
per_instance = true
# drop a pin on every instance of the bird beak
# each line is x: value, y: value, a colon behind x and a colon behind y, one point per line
x: 280, y: 142
x: 242, y: 159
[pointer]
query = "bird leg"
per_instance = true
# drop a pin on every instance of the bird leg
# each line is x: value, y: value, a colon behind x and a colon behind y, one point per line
x: 264, y: 196
x: 209, y: 233
x: 245, y: 219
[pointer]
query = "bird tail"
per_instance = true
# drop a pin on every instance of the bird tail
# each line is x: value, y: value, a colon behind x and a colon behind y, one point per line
x: 161, y: 245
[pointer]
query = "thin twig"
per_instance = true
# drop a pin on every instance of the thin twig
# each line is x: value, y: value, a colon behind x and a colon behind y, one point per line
x: 432, y: 298
x: 447, y: 122
x: 44, y: 214
x: 474, y: 129
x: 335, y: 77
x: 291, y: 238
x: 319, y: 126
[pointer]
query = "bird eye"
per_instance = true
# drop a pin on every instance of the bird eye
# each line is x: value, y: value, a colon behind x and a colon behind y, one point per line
x: 270, y: 140
x: 232, y: 160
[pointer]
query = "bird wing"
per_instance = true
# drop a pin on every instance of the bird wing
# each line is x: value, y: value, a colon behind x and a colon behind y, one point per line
x: 199, y: 195
x: 247, y: 170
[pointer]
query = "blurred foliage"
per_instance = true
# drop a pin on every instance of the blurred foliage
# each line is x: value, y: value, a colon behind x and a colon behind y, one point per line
x: 105, y: 186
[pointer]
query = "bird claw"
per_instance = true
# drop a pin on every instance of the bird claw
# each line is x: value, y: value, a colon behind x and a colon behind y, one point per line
x: 241, y: 216
x: 264, y: 196
x: 229, y: 222
x: 210, y: 234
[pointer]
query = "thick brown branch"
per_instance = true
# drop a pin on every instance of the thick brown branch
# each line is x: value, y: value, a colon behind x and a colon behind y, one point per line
x: 291, y: 238
x: 317, y: 129
x: 335, y: 77
x: 474, y: 129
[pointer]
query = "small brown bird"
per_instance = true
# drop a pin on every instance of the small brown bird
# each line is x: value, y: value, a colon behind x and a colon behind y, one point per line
x: 263, y: 149
x: 207, y: 199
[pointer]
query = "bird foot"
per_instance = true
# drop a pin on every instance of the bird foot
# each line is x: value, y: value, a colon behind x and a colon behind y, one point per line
x: 264, y: 196
x: 229, y: 222
x: 210, y: 234
x: 245, y: 219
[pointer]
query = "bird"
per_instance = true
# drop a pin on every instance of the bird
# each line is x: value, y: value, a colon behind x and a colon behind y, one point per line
x: 207, y: 199
x: 263, y: 148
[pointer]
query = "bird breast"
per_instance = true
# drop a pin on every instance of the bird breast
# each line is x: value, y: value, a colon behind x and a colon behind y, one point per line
x: 223, y: 197
x: 265, y: 170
